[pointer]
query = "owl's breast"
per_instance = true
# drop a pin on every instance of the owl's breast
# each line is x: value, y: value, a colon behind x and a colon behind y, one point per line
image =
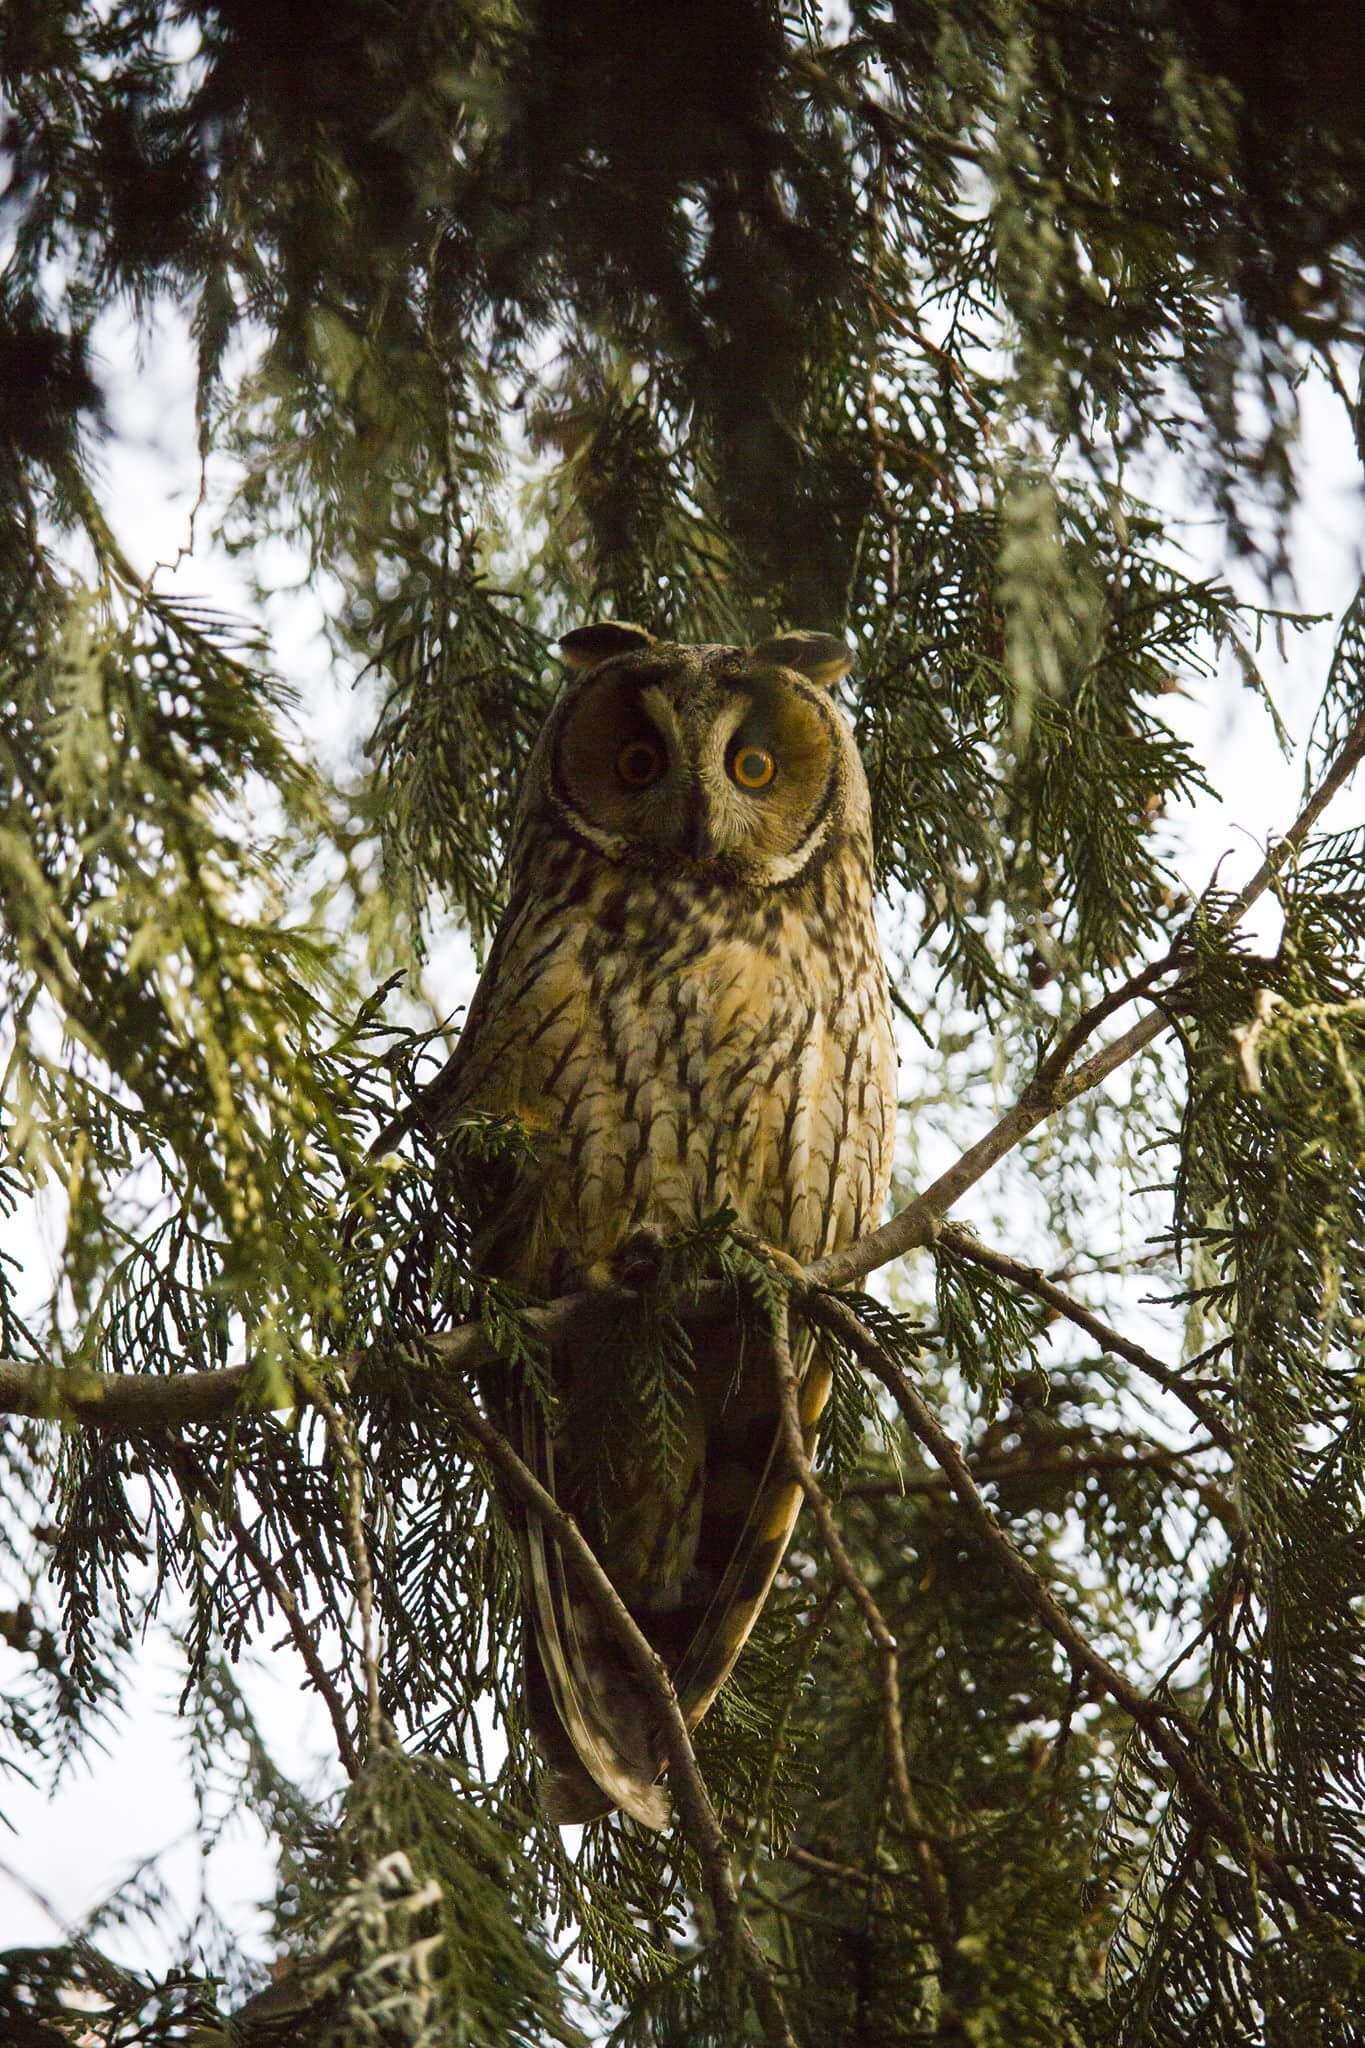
x: 670, y: 1066
x: 802, y: 1056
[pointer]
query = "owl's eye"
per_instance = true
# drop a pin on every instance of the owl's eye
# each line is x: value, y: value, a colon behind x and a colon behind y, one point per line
x: 753, y: 768
x: 639, y: 763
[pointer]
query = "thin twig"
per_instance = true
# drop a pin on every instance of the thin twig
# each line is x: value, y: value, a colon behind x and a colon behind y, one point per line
x: 699, y: 1815
x: 1053, y: 1069
x: 304, y: 1641
x: 36, y: 1897
x: 353, y: 1473
x: 193, y: 1479
x: 968, y: 1246
x: 845, y: 1872
x: 1168, y: 1730
x: 1056, y: 1465
x: 814, y: 1629
x: 931, y: 1877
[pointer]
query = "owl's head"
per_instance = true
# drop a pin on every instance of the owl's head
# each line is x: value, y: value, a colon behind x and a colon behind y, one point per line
x: 728, y: 759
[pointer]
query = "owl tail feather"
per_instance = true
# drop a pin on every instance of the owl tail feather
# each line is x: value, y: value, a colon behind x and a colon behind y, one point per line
x: 588, y: 1714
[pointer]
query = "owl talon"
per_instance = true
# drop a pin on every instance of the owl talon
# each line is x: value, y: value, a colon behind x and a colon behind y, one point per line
x: 640, y: 1259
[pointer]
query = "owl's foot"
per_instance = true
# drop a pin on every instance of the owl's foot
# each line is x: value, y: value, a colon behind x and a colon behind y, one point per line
x: 640, y: 1258
x: 634, y: 1263
x: 771, y: 1254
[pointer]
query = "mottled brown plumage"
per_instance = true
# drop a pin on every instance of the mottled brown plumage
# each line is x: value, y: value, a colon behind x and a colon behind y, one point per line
x: 685, y: 1005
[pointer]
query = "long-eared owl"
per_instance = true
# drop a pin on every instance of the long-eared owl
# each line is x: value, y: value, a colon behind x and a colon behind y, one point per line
x: 685, y: 1006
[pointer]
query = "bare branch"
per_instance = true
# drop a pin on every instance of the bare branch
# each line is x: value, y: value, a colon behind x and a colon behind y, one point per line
x: 1053, y: 1071
x: 1034, y: 1282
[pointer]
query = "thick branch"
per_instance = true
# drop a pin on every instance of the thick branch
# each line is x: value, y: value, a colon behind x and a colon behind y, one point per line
x: 145, y: 1400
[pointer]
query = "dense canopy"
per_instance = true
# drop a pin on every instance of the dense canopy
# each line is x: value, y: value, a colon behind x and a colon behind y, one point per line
x: 930, y: 324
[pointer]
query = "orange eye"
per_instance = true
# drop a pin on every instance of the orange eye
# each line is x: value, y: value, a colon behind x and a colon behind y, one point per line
x: 753, y: 768
x: 639, y: 763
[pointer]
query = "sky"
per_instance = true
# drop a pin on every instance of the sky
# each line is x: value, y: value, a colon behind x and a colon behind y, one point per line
x: 66, y: 1851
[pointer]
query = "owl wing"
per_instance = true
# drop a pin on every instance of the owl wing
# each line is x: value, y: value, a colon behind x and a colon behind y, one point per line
x: 587, y: 1711
x: 752, y: 1504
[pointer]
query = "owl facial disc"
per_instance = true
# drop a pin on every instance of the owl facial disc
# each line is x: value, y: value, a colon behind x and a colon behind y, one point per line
x: 716, y: 759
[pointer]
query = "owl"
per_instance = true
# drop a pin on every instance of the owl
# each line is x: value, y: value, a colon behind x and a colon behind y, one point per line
x: 685, y: 1008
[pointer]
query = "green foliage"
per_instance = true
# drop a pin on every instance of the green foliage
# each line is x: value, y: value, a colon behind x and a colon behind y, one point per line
x: 719, y: 317
x: 409, y: 1944
x: 56, y: 1997
x: 1010, y: 1810
x: 455, y: 726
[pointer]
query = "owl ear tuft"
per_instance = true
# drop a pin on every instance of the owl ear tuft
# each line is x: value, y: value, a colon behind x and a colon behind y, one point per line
x: 821, y: 657
x: 586, y: 646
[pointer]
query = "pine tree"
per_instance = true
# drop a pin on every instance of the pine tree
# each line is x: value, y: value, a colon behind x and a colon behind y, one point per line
x: 884, y: 319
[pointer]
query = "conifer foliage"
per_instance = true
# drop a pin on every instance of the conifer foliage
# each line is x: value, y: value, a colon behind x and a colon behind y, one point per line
x: 893, y: 318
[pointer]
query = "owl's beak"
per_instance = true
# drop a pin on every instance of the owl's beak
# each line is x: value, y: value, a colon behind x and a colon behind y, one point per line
x: 696, y: 837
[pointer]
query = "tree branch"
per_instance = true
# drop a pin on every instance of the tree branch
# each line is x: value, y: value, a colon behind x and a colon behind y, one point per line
x: 968, y: 1246
x: 95, y: 1398
x: 157, y: 1400
x: 1172, y: 1736
x: 147, y: 1400
x: 342, y: 1437
x: 794, y: 1446
x: 844, y: 1872
x: 699, y: 1815
x: 194, y: 1481
x: 1022, y: 1465
x: 1051, y: 1089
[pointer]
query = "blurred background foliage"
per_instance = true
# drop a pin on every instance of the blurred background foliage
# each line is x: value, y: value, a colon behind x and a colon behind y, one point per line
x: 909, y: 320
